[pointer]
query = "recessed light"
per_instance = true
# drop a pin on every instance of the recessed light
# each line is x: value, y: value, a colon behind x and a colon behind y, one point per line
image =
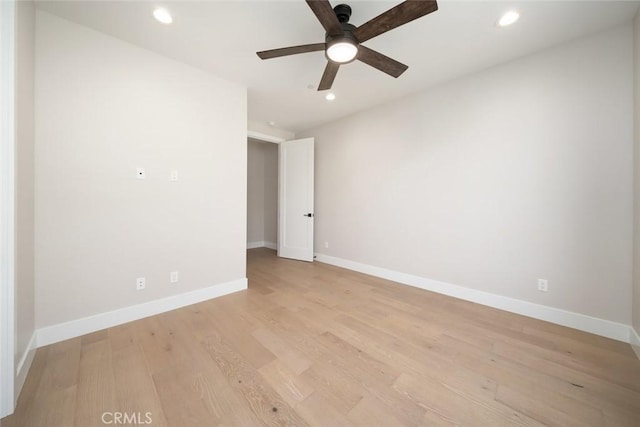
x: 330, y: 96
x: 162, y: 15
x: 508, y: 18
x: 271, y: 123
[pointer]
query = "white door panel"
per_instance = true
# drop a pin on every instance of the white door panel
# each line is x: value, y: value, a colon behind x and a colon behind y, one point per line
x: 295, y: 194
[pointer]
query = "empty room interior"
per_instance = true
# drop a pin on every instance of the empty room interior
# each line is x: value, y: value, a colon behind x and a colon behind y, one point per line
x: 314, y: 213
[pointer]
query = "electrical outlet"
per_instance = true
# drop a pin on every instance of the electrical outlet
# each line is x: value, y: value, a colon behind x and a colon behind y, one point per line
x: 174, y: 175
x: 140, y: 174
x: 543, y: 285
x: 173, y: 277
x: 141, y: 283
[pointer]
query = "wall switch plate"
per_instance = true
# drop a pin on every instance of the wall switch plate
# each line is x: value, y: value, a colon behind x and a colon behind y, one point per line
x: 140, y: 174
x: 174, y: 175
x: 326, y: 245
x: 173, y: 277
x: 141, y: 283
x: 543, y: 285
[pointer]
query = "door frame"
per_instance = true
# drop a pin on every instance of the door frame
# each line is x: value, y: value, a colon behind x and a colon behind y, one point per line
x: 264, y: 138
x: 276, y: 140
x: 7, y: 207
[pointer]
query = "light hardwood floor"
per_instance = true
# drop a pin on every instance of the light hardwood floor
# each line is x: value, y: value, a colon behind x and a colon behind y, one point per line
x: 312, y: 344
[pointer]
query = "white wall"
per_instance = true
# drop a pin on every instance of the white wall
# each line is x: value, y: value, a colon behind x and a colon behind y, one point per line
x: 636, y: 193
x: 262, y: 193
x: 24, y: 170
x: 103, y: 108
x: 492, y: 181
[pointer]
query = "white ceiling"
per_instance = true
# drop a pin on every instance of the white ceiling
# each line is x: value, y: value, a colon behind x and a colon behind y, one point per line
x: 223, y: 36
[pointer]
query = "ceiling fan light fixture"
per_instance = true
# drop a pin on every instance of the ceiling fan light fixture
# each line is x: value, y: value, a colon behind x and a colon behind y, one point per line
x: 342, y: 50
x: 508, y: 18
x: 162, y: 15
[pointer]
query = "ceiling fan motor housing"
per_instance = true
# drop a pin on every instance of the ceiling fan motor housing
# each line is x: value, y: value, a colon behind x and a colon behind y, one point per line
x: 343, y: 12
x: 347, y: 32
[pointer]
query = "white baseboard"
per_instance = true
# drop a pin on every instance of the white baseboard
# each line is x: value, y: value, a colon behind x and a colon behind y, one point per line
x: 262, y: 244
x: 594, y: 325
x: 24, y: 364
x: 75, y: 328
x: 634, y: 340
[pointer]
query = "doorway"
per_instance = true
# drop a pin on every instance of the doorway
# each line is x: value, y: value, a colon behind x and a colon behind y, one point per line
x: 262, y: 194
x: 280, y: 195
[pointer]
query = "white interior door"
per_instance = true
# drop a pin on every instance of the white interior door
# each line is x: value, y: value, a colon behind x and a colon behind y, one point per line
x: 295, y: 197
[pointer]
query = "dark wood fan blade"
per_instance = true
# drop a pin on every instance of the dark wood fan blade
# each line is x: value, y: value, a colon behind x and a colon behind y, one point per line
x: 293, y: 50
x: 381, y: 62
x: 401, y: 14
x: 329, y: 75
x: 327, y: 17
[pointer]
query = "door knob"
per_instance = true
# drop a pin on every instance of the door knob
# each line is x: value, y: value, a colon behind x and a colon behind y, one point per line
x: 308, y: 214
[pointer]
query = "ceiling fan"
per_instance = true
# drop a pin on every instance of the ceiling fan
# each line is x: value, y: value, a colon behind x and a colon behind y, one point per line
x: 343, y: 40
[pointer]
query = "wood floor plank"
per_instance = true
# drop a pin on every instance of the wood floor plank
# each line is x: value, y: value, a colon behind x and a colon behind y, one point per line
x: 369, y: 412
x: 94, y: 337
x: 166, y: 341
x: 332, y: 385
x: 199, y: 399
x: 594, y: 341
x: 289, y: 385
x: 314, y: 344
x: 122, y: 336
x: 59, y: 404
x: 607, y: 373
x: 96, y: 383
x: 577, y: 344
x: 366, y: 369
x: 63, y: 363
x: 158, y: 344
x: 183, y: 401
x: 528, y: 403
x: 296, y: 361
x: 433, y: 365
x: 27, y: 405
x: 551, y: 378
x: 580, y: 385
x: 54, y: 401
x: 238, y: 335
x: 258, y: 395
x: 320, y: 412
x: 135, y: 390
x: 450, y: 407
